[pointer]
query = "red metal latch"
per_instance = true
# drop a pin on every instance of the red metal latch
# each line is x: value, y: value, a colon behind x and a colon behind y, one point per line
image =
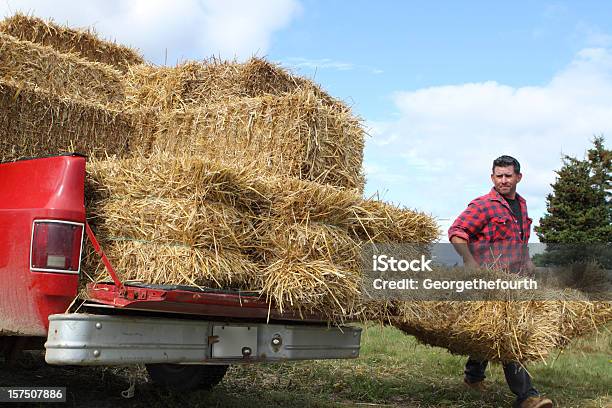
x: 105, y: 260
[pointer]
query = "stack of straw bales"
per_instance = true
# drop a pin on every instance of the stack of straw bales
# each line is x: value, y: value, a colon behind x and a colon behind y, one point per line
x: 246, y: 112
x: 184, y: 220
x: 55, y: 102
x: 252, y: 112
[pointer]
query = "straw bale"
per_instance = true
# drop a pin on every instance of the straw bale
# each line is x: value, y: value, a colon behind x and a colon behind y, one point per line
x: 380, y: 222
x: 582, y: 317
x: 311, y: 241
x: 503, y: 330
x: 293, y: 134
x: 493, y: 330
x: 321, y: 211
x: 287, y: 200
x: 155, y: 87
x: 165, y: 176
x: 311, y: 286
x: 312, y: 267
x: 368, y: 220
x: 299, y: 201
x: 222, y: 80
x: 177, y: 264
x: 179, y: 220
x: 61, y: 74
x: 200, y: 83
x: 84, y: 43
x: 34, y: 122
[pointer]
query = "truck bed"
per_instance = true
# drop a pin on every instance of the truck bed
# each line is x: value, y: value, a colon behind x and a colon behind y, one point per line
x: 188, y: 300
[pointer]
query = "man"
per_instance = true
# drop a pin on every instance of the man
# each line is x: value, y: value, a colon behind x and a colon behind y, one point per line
x: 498, y: 222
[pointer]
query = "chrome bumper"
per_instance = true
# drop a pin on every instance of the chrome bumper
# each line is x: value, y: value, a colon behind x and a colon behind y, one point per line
x: 88, y: 339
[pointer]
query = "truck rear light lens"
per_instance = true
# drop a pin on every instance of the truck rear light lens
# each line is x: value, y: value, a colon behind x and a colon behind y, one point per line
x: 56, y: 246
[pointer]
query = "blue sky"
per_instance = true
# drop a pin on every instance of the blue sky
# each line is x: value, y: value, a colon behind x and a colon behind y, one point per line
x: 443, y: 87
x: 437, y: 43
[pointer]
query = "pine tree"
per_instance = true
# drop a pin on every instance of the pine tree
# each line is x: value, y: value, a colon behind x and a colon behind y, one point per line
x: 579, y: 210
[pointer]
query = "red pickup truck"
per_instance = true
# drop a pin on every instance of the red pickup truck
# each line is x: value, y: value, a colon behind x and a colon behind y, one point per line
x: 185, y: 336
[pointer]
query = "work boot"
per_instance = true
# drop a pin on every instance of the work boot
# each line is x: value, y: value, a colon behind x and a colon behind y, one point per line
x: 476, y: 386
x: 536, y: 402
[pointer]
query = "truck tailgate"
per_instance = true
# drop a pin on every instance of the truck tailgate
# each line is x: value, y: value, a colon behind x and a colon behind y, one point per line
x: 190, y: 301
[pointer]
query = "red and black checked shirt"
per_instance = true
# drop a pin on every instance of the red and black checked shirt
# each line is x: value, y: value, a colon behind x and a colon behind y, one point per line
x: 493, y: 231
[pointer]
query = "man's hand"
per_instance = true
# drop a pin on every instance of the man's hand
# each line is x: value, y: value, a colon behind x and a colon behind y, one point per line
x: 470, y: 263
x: 461, y: 246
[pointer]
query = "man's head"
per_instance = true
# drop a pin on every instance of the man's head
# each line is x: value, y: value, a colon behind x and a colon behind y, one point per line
x: 506, y: 175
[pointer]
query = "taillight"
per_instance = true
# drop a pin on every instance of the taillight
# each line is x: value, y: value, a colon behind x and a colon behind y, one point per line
x: 56, y: 246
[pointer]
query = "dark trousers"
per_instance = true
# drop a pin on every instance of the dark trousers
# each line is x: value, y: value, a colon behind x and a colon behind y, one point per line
x: 517, y: 378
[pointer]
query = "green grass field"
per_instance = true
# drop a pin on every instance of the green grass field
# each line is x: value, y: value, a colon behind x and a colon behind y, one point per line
x: 394, y: 370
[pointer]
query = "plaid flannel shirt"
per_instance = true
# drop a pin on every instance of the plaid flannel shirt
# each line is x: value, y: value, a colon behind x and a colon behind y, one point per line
x: 493, y: 231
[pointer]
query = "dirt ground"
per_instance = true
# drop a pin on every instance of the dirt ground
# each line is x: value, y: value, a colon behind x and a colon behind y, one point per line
x: 86, y: 386
x: 102, y: 387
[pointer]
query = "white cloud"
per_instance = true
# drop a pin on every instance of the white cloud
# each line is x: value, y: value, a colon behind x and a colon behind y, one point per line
x: 447, y: 136
x: 327, y: 63
x: 592, y: 35
x: 246, y: 26
x: 322, y: 63
x: 185, y: 29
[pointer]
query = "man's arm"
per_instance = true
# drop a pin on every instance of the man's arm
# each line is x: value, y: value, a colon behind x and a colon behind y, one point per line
x: 469, y: 223
x: 461, y: 246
